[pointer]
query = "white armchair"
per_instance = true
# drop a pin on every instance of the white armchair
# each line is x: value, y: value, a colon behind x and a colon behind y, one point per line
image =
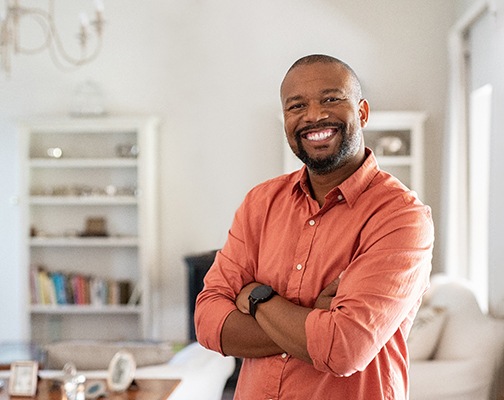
x: 468, y: 350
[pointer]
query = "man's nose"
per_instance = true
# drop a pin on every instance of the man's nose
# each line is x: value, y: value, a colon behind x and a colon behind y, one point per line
x: 315, y: 113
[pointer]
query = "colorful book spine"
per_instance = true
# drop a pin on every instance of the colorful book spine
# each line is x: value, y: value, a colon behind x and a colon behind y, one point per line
x: 60, y: 288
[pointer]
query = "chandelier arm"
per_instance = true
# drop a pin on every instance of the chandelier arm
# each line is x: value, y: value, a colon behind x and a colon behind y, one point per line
x: 70, y: 64
x: 5, y: 57
x: 56, y: 59
x: 41, y: 18
x: 3, y: 45
x: 7, y: 40
x: 58, y: 44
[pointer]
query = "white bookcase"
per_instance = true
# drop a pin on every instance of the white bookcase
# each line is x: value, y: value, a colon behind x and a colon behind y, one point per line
x: 89, y: 209
x: 396, y: 137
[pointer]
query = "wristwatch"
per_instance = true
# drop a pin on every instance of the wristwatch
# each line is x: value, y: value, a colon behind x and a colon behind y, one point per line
x: 259, y: 294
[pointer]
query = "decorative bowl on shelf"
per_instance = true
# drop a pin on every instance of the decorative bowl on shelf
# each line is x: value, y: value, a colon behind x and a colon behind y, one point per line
x: 390, y: 146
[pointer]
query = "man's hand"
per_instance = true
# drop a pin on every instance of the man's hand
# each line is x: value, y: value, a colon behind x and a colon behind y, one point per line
x: 242, y: 302
x: 327, y: 295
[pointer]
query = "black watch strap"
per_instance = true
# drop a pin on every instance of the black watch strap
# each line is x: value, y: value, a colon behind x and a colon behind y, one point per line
x: 259, y: 294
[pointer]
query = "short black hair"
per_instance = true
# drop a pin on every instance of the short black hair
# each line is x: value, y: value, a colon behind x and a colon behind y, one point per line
x: 325, y: 59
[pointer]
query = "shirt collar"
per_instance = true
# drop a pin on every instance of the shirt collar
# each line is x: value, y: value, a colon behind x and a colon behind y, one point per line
x: 351, y: 188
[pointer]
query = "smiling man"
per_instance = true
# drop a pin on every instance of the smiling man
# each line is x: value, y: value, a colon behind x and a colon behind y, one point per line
x: 324, y: 269
x: 324, y: 115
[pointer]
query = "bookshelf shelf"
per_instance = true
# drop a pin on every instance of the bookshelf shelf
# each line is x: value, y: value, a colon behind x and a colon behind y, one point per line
x: 84, y: 242
x: 83, y: 200
x: 395, y: 160
x: 89, y: 226
x: 84, y: 309
x: 83, y: 163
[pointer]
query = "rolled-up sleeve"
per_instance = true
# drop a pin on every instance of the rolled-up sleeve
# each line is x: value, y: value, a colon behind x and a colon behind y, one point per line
x: 377, y: 292
x: 223, y: 282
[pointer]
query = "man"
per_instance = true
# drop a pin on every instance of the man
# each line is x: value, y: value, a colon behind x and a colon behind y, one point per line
x: 324, y: 269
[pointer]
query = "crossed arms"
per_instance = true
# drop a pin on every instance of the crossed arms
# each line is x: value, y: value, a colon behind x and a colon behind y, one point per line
x: 279, y: 326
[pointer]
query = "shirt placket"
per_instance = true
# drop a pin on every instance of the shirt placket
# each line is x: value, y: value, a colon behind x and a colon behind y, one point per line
x: 302, y: 253
x: 276, y: 366
x: 301, y: 256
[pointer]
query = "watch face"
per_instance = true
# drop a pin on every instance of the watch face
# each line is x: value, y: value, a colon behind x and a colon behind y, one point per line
x: 261, y: 292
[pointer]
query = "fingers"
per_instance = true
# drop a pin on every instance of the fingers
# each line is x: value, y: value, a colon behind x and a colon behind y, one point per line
x: 332, y: 288
x: 241, y: 301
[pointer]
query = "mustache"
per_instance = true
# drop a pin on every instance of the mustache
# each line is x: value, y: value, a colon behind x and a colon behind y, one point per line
x: 320, y: 125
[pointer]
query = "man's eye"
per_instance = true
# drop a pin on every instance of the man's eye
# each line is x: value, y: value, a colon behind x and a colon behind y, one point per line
x: 296, y: 106
x: 332, y: 99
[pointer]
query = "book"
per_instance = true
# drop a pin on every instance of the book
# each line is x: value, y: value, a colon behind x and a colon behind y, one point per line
x: 60, y: 288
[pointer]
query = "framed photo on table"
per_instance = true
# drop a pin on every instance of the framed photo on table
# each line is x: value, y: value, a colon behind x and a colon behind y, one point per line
x: 23, y: 378
x: 121, y: 371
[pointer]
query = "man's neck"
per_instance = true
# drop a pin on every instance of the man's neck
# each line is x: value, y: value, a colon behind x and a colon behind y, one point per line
x: 320, y: 185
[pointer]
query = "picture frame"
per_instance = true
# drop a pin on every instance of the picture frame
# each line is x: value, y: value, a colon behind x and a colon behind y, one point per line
x: 121, y: 371
x: 23, y: 378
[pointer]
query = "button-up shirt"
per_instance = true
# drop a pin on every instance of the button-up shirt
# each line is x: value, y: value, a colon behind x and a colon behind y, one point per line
x: 375, y: 235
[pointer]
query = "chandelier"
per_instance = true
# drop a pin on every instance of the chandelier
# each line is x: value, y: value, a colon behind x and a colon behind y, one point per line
x: 11, y: 43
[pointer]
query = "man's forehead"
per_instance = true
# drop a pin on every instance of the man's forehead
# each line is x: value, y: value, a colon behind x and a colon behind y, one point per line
x: 322, y: 76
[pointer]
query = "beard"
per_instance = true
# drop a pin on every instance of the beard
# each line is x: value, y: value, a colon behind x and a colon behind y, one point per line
x: 350, y: 144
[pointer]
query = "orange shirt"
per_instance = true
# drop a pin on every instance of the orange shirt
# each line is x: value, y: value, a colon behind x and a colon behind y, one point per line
x: 371, y: 230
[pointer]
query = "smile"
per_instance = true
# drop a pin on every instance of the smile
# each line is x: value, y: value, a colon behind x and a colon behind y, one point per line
x: 319, y: 135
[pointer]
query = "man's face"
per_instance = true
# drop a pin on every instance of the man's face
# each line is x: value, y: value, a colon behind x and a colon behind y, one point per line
x: 323, y: 116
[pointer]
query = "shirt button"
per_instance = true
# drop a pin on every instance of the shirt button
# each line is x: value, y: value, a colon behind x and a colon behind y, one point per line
x: 340, y: 197
x: 311, y: 222
x: 284, y: 355
x: 299, y: 267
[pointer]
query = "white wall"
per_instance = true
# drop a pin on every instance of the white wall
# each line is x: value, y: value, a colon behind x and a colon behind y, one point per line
x: 211, y: 70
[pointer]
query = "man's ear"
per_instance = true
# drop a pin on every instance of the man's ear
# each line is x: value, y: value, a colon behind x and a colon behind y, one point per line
x: 363, y: 112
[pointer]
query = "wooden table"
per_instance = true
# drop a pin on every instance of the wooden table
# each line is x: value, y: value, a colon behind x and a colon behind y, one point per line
x: 146, y: 389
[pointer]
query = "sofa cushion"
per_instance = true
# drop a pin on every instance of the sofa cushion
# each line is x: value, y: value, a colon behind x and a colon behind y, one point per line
x: 93, y: 355
x: 426, y: 332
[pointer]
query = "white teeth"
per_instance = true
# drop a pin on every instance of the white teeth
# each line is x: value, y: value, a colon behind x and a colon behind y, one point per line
x: 316, y: 136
